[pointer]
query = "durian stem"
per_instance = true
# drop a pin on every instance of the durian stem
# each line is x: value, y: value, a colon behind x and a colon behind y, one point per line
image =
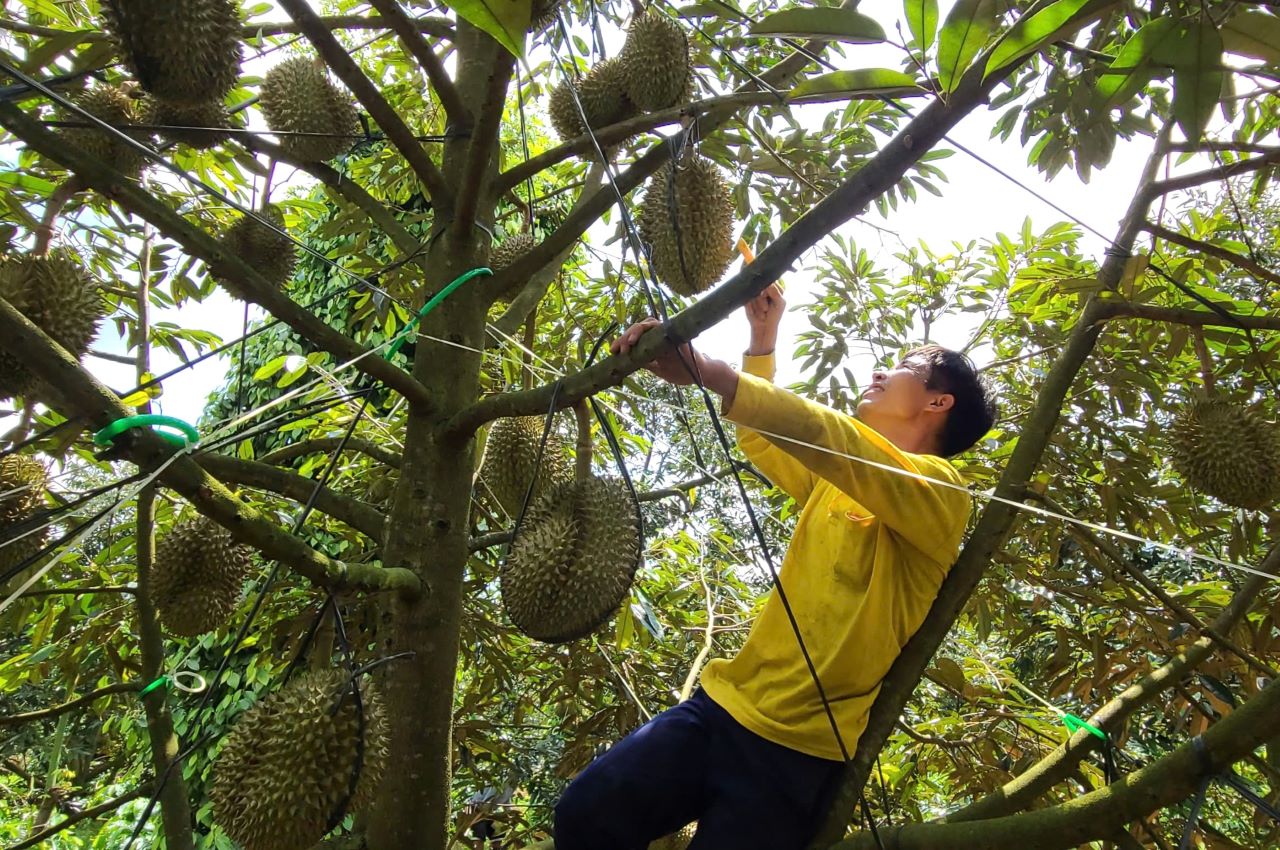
x: 1206, y: 362
x: 582, y: 453
x: 52, y: 209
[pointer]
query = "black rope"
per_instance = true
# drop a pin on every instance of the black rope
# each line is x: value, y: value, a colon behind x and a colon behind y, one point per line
x: 243, y: 131
x: 1193, y: 819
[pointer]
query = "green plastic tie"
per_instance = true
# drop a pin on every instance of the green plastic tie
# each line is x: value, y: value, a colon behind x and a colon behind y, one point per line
x: 431, y: 304
x: 1075, y: 724
x: 162, y: 682
x: 189, y: 436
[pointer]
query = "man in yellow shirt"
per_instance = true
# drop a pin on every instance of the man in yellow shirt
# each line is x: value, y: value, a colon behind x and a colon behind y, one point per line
x: 753, y: 756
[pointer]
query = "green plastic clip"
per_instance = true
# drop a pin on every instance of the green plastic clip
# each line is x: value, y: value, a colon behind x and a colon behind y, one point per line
x: 1074, y: 724
x: 188, y: 437
x: 162, y: 682
x: 431, y: 304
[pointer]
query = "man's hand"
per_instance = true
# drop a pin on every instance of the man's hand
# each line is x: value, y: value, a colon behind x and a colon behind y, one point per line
x: 715, y: 375
x: 764, y: 314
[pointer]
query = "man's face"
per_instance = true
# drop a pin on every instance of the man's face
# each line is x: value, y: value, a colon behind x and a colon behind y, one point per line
x: 901, y: 393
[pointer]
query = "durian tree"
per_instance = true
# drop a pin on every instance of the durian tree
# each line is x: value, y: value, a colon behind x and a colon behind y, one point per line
x: 424, y: 617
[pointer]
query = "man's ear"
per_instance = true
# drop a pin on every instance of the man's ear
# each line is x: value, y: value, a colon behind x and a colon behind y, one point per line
x: 941, y: 403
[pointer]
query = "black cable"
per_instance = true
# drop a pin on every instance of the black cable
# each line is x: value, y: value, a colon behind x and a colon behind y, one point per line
x: 244, y: 131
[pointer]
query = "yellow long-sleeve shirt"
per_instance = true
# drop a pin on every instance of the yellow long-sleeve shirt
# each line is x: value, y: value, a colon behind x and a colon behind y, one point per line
x: 869, y: 551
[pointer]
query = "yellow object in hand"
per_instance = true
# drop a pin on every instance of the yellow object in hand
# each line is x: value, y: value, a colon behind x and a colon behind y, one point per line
x: 748, y: 256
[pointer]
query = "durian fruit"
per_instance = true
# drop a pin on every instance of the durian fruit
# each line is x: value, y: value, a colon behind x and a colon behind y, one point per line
x: 543, y: 13
x: 186, y: 52
x: 510, y: 460
x: 1228, y: 451
x: 57, y: 294
x: 198, y: 575
x: 573, y: 560
x: 113, y: 105
x: 692, y: 257
x: 211, y: 115
x: 22, y: 484
x: 297, y: 97
x: 287, y: 765
x: 655, y: 61
x: 511, y: 249
x: 676, y: 840
x: 273, y: 254
x: 603, y: 96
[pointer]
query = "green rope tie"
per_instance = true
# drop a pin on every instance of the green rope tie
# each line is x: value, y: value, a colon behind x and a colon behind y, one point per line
x: 431, y: 304
x: 188, y: 435
x: 1074, y: 724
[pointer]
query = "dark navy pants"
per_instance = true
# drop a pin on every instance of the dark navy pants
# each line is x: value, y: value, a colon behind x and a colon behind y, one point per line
x: 695, y: 762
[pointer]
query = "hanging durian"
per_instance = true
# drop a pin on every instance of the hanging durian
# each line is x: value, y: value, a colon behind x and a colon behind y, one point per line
x: 511, y: 249
x: 211, y: 117
x: 23, y: 481
x: 603, y: 96
x: 1228, y: 451
x: 511, y: 458
x: 273, y: 254
x: 198, y: 576
x: 543, y: 13
x: 297, y: 97
x: 114, y: 106
x: 287, y: 766
x: 58, y: 296
x: 186, y: 52
x: 573, y: 560
x: 655, y: 61
x: 688, y: 222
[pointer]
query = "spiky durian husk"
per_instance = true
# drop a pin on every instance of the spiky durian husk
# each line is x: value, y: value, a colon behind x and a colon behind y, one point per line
x: 286, y: 767
x: 198, y: 576
x: 542, y: 14
x: 273, y: 254
x: 182, y: 51
x: 511, y: 459
x: 114, y: 106
x: 573, y: 561
x: 59, y: 297
x: 692, y: 258
x: 510, y: 249
x: 655, y: 61
x: 211, y: 115
x: 1228, y: 451
x: 22, y: 484
x: 603, y: 97
x: 297, y: 97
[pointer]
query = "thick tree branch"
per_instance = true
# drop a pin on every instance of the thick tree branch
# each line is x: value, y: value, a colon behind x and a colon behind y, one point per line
x: 72, y: 705
x: 344, y: 187
x: 88, y: 814
x: 75, y: 393
x: 1214, y: 175
x: 1212, y: 250
x: 1103, y: 812
x: 327, y: 444
x: 361, y: 516
x: 249, y: 284
x: 484, y: 140
x: 337, y: 58
x: 79, y: 591
x: 1110, y: 308
x: 410, y: 35
x: 620, y: 132
x: 432, y: 26
x: 1022, y: 791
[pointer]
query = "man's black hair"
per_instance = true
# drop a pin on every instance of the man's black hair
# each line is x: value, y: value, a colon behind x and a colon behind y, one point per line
x: 974, y: 411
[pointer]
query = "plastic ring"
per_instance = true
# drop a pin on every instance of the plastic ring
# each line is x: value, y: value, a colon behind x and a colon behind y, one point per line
x: 198, y: 682
x: 189, y: 436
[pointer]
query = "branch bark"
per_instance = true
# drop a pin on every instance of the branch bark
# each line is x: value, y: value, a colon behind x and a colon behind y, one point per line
x: 221, y: 262
x: 410, y: 36
x: 1111, y: 308
x: 1212, y: 250
x: 76, y: 393
x: 72, y: 705
x: 327, y: 444
x: 88, y: 814
x: 432, y: 26
x: 337, y: 58
x: 1213, y: 175
x: 484, y: 140
x: 1102, y: 813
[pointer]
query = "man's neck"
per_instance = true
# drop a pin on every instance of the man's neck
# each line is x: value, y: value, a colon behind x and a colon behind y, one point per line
x: 907, y: 436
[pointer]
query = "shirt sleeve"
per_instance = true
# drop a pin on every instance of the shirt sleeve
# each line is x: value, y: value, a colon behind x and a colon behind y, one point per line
x: 829, y: 444
x: 779, y: 467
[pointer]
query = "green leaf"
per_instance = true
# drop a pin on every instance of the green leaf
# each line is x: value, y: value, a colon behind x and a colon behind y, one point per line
x: 266, y: 370
x: 922, y: 18
x: 965, y: 32
x: 826, y: 22
x: 1033, y: 32
x: 506, y: 20
x: 1254, y: 34
x: 1197, y: 79
x: 1132, y: 69
x: 851, y: 85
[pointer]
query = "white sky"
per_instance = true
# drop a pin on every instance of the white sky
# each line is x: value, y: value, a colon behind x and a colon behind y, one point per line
x: 976, y: 203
